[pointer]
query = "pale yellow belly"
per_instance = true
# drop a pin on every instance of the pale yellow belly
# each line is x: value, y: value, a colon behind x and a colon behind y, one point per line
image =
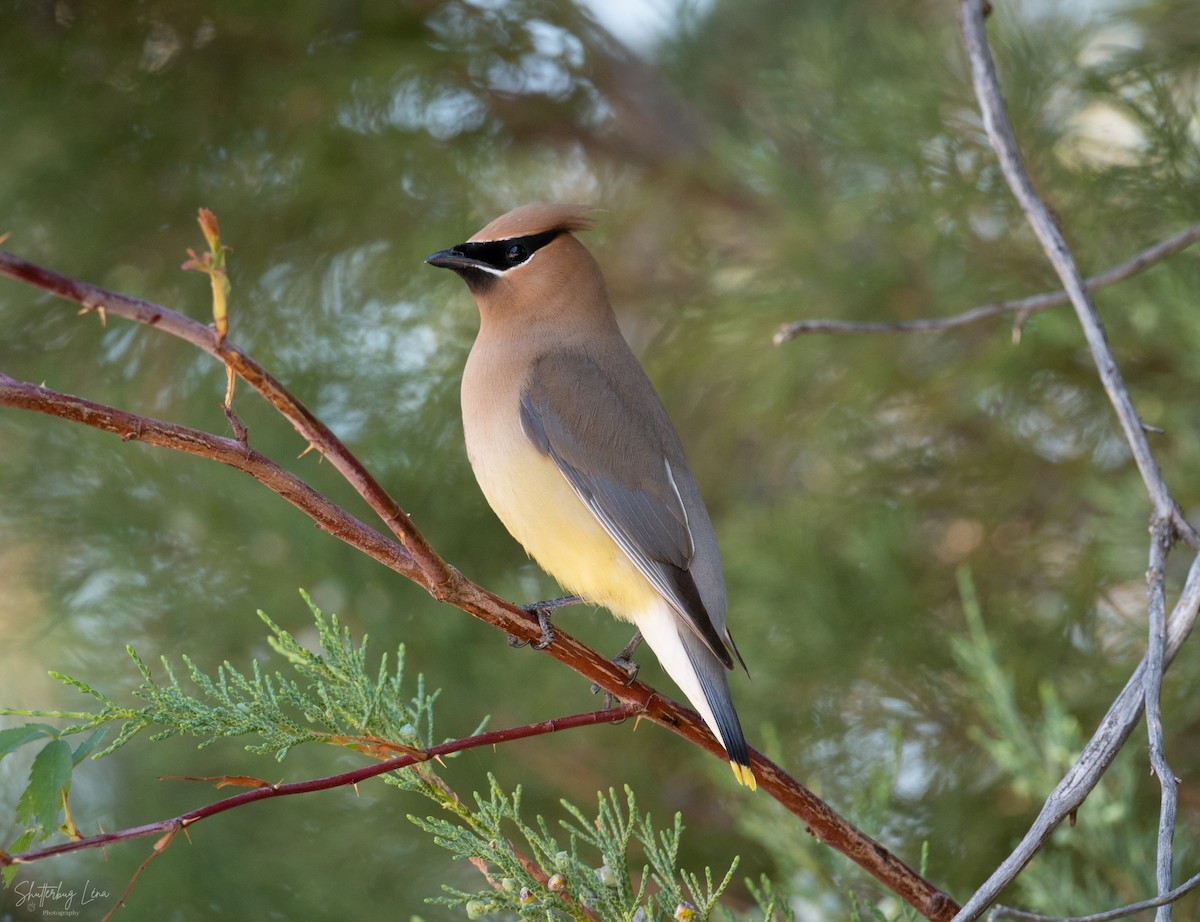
x: 540, y: 509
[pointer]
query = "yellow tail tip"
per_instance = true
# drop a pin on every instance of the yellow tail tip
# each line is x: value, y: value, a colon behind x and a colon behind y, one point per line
x: 744, y: 775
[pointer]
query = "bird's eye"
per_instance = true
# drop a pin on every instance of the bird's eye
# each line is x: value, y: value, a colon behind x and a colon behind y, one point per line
x: 516, y: 254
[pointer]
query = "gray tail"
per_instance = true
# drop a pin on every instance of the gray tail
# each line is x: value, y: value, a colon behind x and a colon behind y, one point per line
x: 715, y: 683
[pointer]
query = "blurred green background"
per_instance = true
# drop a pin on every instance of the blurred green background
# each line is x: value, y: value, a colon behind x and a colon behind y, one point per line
x: 758, y: 162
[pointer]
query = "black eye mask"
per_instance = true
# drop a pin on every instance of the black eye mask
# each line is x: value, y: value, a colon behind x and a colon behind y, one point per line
x: 504, y: 254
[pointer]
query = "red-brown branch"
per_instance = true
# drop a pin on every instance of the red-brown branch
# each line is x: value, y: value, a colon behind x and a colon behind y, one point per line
x: 436, y: 575
x: 492, y: 738
x: 131, y: 427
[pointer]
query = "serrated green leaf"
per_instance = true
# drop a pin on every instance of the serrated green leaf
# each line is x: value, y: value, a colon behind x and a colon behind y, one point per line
x: 49, y: 774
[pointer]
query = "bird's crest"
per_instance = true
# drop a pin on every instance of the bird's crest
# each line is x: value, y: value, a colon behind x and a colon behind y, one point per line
x: 536, y: 219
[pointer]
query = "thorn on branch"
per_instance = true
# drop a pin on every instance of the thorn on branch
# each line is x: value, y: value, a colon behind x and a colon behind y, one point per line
x: 1019, y: 325
x: 98, y: 307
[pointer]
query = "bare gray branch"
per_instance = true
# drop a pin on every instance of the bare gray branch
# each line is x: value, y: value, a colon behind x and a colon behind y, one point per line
x: 1021, y: 307
x: 1169, y: 523
x: 1121, y: 912
x: 1160, y: 547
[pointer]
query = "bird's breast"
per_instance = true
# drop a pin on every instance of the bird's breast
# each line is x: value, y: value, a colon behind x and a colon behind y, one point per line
x: 535, y: 502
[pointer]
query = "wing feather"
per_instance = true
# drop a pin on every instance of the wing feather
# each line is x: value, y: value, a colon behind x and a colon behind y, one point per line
x: 589, y: 425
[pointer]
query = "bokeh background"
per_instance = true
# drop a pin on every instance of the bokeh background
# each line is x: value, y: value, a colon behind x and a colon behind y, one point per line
x: 758, y: 162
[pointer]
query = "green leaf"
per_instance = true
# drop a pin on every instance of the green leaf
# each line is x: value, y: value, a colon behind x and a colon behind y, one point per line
x: 22, y: 842
x: 85, y: 749
x: 50, y: 773
x: 14, y: 738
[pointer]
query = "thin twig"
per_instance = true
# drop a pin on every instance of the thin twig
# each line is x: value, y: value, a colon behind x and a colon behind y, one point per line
x: 1160, y: 547
x: 1022, y: 307
x: 159, y: 847
x: 1121, y: 912
x: 358, y: 775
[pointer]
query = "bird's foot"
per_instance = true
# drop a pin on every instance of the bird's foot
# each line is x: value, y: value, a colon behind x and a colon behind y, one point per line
x: 542, y: 610
x: 623, y: 662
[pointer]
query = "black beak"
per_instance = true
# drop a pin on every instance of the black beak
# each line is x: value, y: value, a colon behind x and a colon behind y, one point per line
x: 452, y: 259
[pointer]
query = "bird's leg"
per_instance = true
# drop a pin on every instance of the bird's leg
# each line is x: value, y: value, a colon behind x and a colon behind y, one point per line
x: 542, y: 610
x: 623, y: 662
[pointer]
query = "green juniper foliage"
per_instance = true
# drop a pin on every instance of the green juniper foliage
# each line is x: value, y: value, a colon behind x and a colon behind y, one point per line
x: 571, y: 879
x: 335, y: 701
x: 340, y: 700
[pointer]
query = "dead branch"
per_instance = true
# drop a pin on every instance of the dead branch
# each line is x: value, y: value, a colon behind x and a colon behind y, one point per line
x: 1022, y: 308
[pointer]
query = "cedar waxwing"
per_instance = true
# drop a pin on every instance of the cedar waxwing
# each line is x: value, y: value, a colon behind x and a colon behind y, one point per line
x: 574, y: 451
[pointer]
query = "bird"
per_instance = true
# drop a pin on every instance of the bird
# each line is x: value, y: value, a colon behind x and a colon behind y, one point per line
x: 576, y: 455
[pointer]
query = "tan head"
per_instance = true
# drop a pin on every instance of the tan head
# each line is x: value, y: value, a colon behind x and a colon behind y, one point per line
x: 526, y: 264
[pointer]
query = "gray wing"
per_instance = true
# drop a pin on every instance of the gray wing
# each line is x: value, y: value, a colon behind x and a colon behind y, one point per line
x: 620, y: 454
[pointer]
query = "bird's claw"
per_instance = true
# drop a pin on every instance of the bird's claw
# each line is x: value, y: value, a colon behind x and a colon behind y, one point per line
x: 630, y: 668
x: 542, y: 610
x: 547, y: 636
x: 623, y: 662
